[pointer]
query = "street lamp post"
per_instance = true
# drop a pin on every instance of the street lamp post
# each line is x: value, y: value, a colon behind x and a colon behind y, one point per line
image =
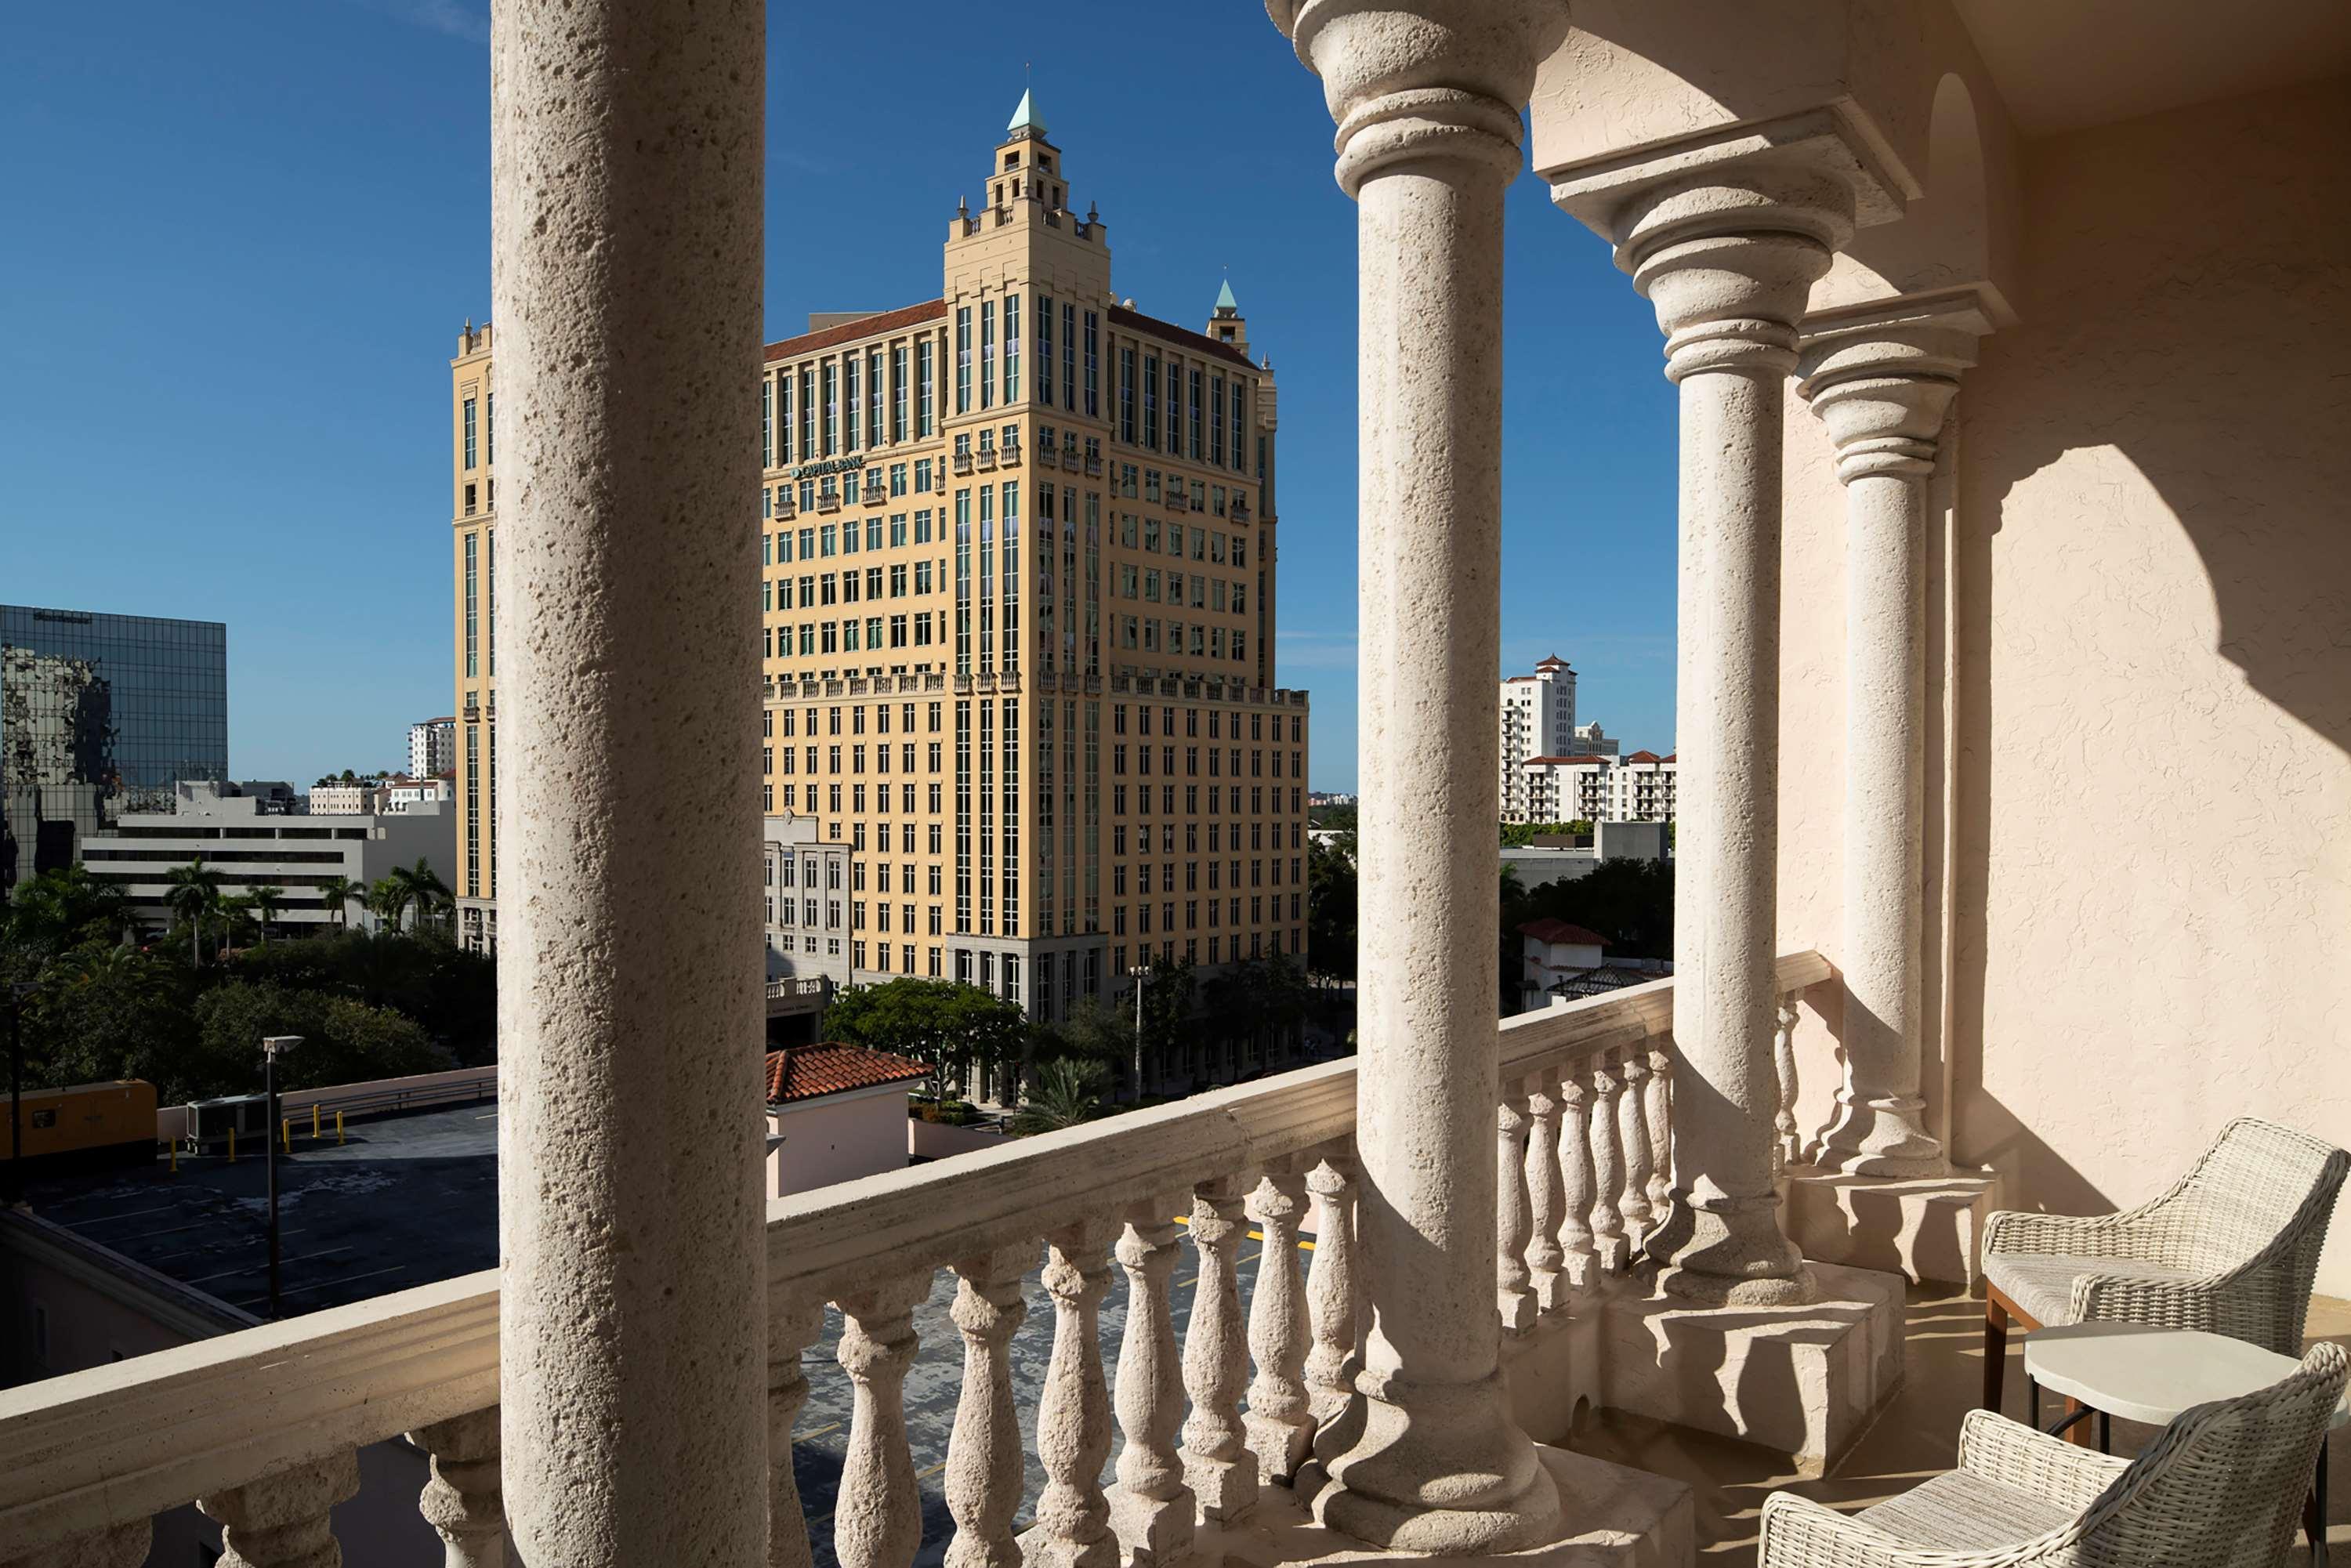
x: 270, y: 1046
x: 1139, y: 974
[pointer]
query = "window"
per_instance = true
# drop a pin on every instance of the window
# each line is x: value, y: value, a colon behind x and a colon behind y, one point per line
x: 1216, y: 421
x: 1045, y: 350
x: 1192, y: 409
x: 1093, y: 365
x: 963, y: 359
x: 1151, y: 408
x: 1126, y: 395
x: 831, y: 408
x: 471, y: 453
x: 898, y: 396
x: 784, y: 416
x: 1012, y: 348
x: 767, y: 425
x: 987, y: 353
x: 925, y: 409
x: 873, y: 398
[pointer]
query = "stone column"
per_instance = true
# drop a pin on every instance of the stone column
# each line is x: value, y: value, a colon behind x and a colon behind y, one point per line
x: 1427, y: 96
x: 1882, y: 382
x: 626, y: 189
x: 1726, y: 244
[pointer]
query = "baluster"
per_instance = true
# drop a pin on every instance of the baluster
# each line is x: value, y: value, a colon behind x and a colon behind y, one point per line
x: 121, y: 1546
x: 985, y: 1469
x: 1790, y: 1148
x: 790, y: 1330
x: 281, y: 1521
x: 1658, y: 1101
x: 1633, y: 1135
x: 1330, y: 1288
x: 1073, y: 1431
x: 1576, y: 1184
x: 1279, y: 1423
x: 1150, y: 1508
x: 1607, y: 1172
x: 1540, y: 1167
x: 1218, y: 1463
x: 462, y: 1501
x: 1514, y: 1295
x: 877, y: 1516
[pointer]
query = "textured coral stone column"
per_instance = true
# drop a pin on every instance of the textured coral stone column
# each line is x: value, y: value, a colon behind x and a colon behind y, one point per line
x: 626, y: 149
x: 1427, y: 1459
x: 1883, y: 387
x: 1728, y: 257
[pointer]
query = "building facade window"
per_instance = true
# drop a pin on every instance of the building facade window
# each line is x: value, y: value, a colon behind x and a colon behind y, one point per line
x: 962, y: 358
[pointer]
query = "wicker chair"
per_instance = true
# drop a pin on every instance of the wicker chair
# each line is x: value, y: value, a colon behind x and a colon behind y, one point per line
x: 2221, y: 1487
x: 2232, y: 1248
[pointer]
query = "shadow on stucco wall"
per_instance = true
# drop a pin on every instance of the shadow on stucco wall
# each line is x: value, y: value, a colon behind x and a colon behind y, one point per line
x: 2177, y: 379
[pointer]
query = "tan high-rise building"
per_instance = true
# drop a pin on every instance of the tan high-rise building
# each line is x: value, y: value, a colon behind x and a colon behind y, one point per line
x: 1019, y: 554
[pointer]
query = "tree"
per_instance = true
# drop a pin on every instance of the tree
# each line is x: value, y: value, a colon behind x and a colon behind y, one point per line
x: 1066, y: 1091
x: 338, y: 892
x: 193, y: 892
x: 941, y: 1023
x: 60, y: 910
x: 1331, y: 912
x: 417, y: 887
x: 266, y: 901
x: 1092, y: 1030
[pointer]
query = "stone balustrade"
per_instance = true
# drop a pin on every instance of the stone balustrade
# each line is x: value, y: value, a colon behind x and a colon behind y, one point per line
x: 260, y: 1428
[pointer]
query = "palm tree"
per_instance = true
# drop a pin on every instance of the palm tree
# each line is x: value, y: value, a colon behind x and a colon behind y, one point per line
x: 430, y: 893
x: 235, y: 919
x: 338, y: 892
x: 1061, y: 1094
x: 389, y: 896
x: 266, y: 900
x: 418, y: 887
x: 194, y: 893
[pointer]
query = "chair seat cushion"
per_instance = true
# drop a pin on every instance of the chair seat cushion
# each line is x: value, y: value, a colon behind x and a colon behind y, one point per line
x: 1965, y: 1513
x: 2042, y: 1284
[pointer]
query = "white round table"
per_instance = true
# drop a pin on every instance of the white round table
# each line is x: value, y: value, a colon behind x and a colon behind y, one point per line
x: 2151, y: 1374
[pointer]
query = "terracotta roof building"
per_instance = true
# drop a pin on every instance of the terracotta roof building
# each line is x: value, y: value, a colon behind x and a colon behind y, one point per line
x: 812, y: 1072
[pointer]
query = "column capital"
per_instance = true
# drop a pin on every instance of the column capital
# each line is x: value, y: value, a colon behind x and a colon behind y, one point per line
x: 1881, y: 379
x: 1410, y: 80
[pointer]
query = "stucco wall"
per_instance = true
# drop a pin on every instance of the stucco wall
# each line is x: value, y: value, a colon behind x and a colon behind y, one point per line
x: 838, y: 1138
x: 2149, y: 792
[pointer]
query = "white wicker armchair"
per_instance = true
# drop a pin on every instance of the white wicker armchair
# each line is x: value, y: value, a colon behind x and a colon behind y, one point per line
x: 2222, y: 1487
x: 2232, y: 1248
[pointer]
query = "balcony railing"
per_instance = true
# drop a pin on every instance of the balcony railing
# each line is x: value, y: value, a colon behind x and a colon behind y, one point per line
x: 963, y: 462
x: 267, y: 1421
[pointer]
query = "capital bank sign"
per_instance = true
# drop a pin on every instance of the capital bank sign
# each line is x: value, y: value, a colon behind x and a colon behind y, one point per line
x: 833, y: 465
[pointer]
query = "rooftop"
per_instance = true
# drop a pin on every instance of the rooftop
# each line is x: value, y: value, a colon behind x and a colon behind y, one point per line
x: 813, y: 1072
x: 1557, y: 931
x: 405, y: 1200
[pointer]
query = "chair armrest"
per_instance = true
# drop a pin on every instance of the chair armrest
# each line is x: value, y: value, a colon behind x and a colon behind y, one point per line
x: 2090, y: 1236
x: 2254, y: 1303
x: 2014, y: 1455
x: 1800, y: 1533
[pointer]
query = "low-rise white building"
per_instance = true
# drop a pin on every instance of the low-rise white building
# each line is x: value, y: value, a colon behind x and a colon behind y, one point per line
x: 351, y: 799
x: 234, y: 833
x: 836, y: 1112
x: 1586, y: 787
x: 409, y: 794
x: 433, y: 746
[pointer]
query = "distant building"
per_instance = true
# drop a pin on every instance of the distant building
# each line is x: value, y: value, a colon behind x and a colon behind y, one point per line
x: 432, y: 748
x: 1589, y: 787
x: 1562, y: 960
x: 1538, y: 719
x: 100, y: 715
x: 252, y: 846
x: 1328, y: 798
x: 343, y: 799
x: 808, y: 890
x: 1564, y: 859
x: 404, y: 794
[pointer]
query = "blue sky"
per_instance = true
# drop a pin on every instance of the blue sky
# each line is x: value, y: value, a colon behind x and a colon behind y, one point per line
x: 244, y: 233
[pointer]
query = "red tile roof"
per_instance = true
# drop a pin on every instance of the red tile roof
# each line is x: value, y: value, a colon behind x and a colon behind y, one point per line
x: 1646, y: 757
x: 1182, y: 336
x: 1560, y: 931
x: 851, y: 331
x: 1536, y: 761
x: 811, y: 1071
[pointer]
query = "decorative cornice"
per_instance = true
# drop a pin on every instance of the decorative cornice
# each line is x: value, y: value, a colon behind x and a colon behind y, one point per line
x: 1881, y: 379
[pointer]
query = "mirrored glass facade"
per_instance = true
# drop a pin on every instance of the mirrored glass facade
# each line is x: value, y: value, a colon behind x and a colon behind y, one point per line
x: 100, y: 714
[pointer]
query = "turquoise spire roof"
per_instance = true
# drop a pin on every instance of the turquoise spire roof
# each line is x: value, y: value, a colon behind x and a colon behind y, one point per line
x: 1025, y: 117
x: 1225, y: 300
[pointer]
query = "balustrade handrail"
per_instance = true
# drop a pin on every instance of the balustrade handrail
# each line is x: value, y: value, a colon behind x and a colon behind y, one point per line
x: 117, y: 1443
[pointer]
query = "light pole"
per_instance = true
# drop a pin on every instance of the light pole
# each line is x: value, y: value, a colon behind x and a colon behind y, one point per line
x: 270, y: 1046
x: 18, y: 993
x: 1139, y: 974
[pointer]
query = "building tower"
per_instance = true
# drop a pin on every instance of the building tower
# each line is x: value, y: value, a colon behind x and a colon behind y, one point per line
x: 1018, y: 577
x: 1538, y: 719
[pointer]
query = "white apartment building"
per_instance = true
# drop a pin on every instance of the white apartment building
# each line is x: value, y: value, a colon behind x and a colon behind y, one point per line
x: 1594, y: 788
x: 233, y: 832
x: 432, y: 748
x: 398, y: 794
x: 1538, y: 719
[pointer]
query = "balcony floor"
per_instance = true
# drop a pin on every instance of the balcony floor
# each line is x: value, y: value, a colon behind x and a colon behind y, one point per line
x: 1915, y: 1439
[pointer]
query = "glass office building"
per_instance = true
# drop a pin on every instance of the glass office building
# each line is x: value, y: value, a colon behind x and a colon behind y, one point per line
x: 100, y: 714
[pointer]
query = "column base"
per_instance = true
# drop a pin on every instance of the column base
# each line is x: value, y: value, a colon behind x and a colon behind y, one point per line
x: 1882, y: 1137
x: 1926, y: 1229
x: 1802, y: 1380
x: 1610, y: 1517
